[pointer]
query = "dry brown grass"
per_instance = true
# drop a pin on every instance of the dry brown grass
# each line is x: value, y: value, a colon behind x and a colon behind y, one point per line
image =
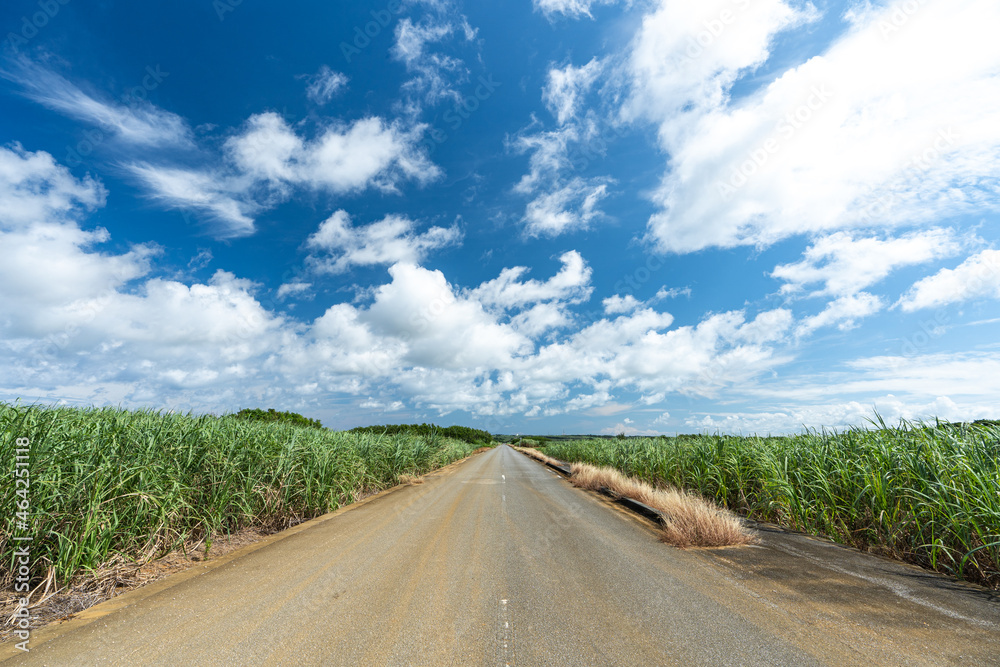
x: 537, y: 455
x: 688, y: 520
x: 410, y: 480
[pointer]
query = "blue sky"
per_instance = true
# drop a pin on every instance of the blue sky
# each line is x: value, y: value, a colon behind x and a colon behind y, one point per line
x: 581, y: 216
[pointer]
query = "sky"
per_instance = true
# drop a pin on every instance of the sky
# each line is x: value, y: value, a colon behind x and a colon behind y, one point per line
x: 528, y: 216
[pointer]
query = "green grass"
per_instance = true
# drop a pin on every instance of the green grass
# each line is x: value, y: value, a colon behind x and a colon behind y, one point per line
x: 926, y: 494
x: 110, y: 485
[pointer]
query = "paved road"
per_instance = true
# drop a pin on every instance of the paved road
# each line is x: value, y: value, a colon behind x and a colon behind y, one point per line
x: 498, y: 561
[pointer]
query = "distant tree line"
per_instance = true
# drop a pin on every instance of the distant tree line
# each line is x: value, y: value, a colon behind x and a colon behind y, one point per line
x: 272, y: 415
x: 463, y: 433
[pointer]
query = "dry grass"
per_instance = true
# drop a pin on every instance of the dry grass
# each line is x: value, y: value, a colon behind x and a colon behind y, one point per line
x: 688, y: 521
x: 410, y: 480
x: 537, y: 455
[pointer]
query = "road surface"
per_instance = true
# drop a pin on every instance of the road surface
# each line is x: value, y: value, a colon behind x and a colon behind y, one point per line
x: 498, y: 561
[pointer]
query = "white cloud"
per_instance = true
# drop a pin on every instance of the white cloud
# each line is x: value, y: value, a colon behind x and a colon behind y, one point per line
x: 341, y: 158
x: 325, y: 84
x: 73, y: 316
x: 620, y: 304
x: 844, y: 311
x: 83, y: 324
x: 200, y: 191
x: 571, y: 285
x: 782, y: 160
x: 672, y: 292
x: 977, y: 277
x: 548, y: 155
x: 951, y: 386
x: 559, y: 204
x: 388, y: 241
x: 366, y: 153
x: 34, y: 188
x: 566, y: 87
x: 569, y: 207
x: 845, y: 264
x: 434, y: 73
x: 135, y: 121
x: 637, y: 351
x: 267, y: 160
x: 267, y: 149
x: 293, y: 289
x: 570, y: 8
x: 840, y: 415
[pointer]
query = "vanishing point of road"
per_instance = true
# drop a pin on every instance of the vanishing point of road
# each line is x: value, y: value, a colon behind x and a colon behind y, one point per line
x: 499, y: 561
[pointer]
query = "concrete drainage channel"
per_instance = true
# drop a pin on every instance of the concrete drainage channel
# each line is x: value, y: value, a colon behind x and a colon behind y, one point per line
x: 634, y: 505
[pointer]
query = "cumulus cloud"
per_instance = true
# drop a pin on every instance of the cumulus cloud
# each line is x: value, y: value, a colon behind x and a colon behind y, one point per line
x: 782, y: 159
x: 338, y: 245
x: 844, y: 311
x: 620, y: 304
x: 571, y: 285
x: 342, y: 157
x: 976, y: 278
x: 844, y: 264
x: 33, y: 187
x: 75, y: 318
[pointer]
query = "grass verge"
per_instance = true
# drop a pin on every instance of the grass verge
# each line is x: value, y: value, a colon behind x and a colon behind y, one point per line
x: 688, y: 520
x: 111, y: 490
x: 927, y: 494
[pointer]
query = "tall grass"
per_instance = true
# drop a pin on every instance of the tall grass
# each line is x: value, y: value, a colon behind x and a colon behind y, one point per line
x: 111, y: 486
x: 927, y: 494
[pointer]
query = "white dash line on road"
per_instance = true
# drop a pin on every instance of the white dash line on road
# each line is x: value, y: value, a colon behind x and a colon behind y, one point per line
x: 505, y: 635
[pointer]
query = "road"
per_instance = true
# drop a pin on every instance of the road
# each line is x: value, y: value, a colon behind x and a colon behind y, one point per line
x: 498, y: 561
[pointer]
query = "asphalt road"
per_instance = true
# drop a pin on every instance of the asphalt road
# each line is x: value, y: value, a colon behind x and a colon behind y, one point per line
x: 498, y: 561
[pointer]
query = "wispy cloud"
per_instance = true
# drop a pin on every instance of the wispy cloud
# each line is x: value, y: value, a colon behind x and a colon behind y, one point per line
x: 202, y: 191
x: 131, y: 120
x: 325, y: 84
x: 569, y: 8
